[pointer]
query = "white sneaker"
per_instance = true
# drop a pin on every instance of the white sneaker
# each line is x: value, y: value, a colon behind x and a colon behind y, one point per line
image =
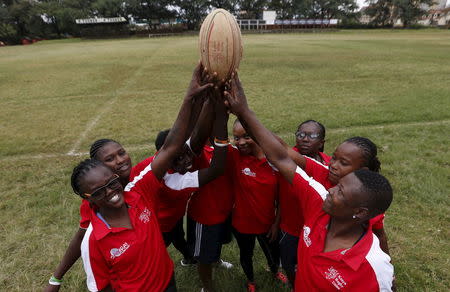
x: 223, y: 264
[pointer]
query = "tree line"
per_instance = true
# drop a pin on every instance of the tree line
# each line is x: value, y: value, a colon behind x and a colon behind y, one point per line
x: 56, y: 18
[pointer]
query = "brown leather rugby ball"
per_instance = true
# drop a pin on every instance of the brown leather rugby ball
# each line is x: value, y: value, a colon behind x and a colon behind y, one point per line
x: 220, y: 43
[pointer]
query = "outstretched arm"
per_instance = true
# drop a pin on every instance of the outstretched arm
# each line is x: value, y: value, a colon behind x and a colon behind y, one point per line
x: 218, y: 161
x: 275, y: 152
x: 179, y: 131
x: 72, y: 254
x: 203, y: 127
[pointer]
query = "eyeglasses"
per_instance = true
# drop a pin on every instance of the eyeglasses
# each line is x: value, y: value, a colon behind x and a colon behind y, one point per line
x: 302, y: 135
x: 100, y: 193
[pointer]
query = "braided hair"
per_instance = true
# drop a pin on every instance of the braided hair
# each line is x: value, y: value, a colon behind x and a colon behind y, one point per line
x: 80, y: 171
x: 369, y: 150
x: 321, y: 130
x: 97, y: 145
x: 378, y: 191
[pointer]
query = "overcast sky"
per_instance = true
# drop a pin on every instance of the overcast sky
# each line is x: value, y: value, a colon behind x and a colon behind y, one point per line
x: 362, y: 3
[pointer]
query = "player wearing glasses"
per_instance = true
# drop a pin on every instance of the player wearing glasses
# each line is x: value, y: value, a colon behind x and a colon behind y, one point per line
x: 310, y: 141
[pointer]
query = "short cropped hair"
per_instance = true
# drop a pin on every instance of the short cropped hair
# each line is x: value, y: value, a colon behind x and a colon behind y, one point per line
x: 377, y: 189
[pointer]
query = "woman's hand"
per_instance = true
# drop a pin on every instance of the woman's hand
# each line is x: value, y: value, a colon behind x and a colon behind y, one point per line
x: 198, y: 86
x: 235, y: 96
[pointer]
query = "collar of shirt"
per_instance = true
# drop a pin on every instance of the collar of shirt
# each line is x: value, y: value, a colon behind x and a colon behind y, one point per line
x: 353, y: 256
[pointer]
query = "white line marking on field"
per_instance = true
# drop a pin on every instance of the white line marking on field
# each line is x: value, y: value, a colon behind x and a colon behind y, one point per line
x: 150, y: 147
x: 93, y: 122
x: 91, y: 125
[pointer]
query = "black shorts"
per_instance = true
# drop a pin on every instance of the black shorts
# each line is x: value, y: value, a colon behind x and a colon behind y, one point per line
x: 288, y: 251
x: 205, y: 241
x: 176, y: 232
x: 172, y: 286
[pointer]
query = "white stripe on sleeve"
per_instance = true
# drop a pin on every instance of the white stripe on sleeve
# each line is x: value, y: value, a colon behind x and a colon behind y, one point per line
x: 318, y: 187
x: 90, y: 279
x: 177, y: 181
x: 381, y: 265
x: 137, y: 178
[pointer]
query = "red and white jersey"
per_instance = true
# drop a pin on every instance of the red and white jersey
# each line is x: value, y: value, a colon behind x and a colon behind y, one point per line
x: 319, y: 172
x: 133, y: 259
x: 213, y: 202
x: 255, y: 185
x: 325, y: 158
x: 363, y: 267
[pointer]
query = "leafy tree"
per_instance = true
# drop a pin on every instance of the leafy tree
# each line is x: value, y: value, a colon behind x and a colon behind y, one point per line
x: 327, y: 9
x: 381, y: 12
x: 285, y: 8
x: 231, y: 6
x: 18, y: 19
x: 386, y: 12
x: 192, y: 11
x: 149, y: 10
x: 409, y: 11
x: 110, y: 8
x: 251, y: 9
x: 61, y: 14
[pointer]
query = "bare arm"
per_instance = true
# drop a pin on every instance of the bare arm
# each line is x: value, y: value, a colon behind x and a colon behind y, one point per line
x: 179, y: 131
x: 273, y: 231
x: 383, y: 239
x: 203, y: 127
x: 218, y: 161
x: 72, y: 254
x: 275, y: 152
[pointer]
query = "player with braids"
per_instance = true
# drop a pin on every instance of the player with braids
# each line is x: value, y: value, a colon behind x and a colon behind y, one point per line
x: 369, y: 150
x: 337, y: 249
x: 114, y: 156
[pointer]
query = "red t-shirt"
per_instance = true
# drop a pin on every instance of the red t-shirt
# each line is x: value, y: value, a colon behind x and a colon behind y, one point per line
x: 128, y: 259
x: 291, y: 219
x: 363, y: 267
x: 213, y: 202
x: 325, y: 158
x: 256, y: 189
x: 319, y: 172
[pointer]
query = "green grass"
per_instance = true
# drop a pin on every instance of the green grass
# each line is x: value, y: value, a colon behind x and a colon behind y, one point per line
x: 59, y: 96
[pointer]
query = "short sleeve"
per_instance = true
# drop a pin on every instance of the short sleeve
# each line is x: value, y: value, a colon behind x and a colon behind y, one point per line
x: 85, y: 213
x: 316, y: 170
x: 145, y: 184
x: 310, y: 193
x: 177, y: 181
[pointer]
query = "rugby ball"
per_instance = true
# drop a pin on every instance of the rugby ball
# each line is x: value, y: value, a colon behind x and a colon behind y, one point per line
x: 220, y: 43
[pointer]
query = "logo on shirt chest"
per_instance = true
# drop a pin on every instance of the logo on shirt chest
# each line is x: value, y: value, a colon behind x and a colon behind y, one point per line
x: 145, y: 215
x: 335, y: 278
x: 306, y: 232
x: 117, y: 252
x: 248, y: 172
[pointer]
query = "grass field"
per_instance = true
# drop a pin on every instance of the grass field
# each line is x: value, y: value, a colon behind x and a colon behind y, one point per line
x: 56, y: 97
